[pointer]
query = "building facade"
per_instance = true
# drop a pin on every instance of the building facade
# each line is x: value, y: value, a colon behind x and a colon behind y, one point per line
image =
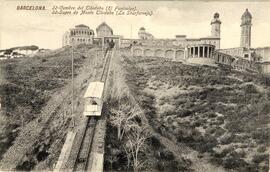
x: 142, y: 34
x: 201, y: 54
x: 264, y: 53
x: 104, y: 30
x: 105, y: 35
x: 81, y: 34
x: 204, y: 50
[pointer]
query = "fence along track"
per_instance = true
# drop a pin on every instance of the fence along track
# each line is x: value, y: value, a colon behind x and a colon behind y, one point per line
x: 81, y: 146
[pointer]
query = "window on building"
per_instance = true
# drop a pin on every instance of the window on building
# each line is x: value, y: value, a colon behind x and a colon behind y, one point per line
x: 201, y: 52
x: 206, y: 52
x: 196, y: 51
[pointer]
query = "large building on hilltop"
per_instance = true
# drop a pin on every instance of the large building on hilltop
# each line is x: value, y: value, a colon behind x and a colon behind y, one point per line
x: 82, y: 34
x: 142, y: 34
x: 245, y: 52
x: 180, y: 48
x: 203, y: 50
x: 264, y: 54
x: 104, y: 30
x: 78, y: 35
x: 105, y: 35
x: 206, y: 50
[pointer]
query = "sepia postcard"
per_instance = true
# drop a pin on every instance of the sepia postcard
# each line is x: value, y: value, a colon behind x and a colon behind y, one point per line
x: 135, y: 86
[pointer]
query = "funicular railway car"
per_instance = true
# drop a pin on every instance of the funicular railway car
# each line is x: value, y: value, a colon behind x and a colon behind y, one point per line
x: 93, y: 99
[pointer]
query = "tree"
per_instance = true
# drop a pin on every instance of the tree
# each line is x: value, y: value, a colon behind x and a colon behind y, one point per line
x: 123, y: 117
x: 112, y: 157
x: 136, y: 144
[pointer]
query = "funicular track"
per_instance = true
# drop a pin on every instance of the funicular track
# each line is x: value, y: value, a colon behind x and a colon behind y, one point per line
x: 79, y: 156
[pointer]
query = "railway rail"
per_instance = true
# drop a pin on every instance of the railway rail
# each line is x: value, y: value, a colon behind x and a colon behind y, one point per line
x: 78, y: 158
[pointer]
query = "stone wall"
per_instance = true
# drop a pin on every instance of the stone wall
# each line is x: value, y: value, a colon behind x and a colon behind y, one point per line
x: 173, y: 53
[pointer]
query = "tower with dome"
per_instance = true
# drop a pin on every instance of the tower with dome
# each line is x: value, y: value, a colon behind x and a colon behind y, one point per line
x: 246, y: 19
x: 215, y: 26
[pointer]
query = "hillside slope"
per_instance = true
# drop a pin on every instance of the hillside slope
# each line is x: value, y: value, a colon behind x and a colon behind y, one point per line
x: 221, y: 114
x: 36, y: 105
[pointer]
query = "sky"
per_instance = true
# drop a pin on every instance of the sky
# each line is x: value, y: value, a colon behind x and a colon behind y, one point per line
x: 170, y: 18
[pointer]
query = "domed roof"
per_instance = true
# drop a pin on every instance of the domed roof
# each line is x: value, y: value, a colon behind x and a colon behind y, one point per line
x: 216, y: 15
x: 216, y: 19
x: 81, y: 25
x: 142, y: 28
x: 104, y: 24
x: 246, y: 14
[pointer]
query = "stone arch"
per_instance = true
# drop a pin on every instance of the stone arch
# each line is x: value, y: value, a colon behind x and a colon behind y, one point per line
x: 137, y: 52
x: 169, y: 54
x: 148, y: 52
x: 179, y: 55
x: 159, y: 53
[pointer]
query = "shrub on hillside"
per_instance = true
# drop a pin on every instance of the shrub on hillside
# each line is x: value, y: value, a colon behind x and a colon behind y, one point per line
x: 154, y: 141
x: 219, y: 132
x: 167, y: 155
x: 167, y: 109
x: 183, y: 112
x: 262, y: 149
x: 265, y: 80
x: 207, y: 143
x: 261, y: 136
x: 173, y: 166
x: 189, y: 104
x: 234, y: 163
x: 260, y: 158
x: 247, y: 78
x: 226, y: 151
x: 238, y: 153
x: 250, y: 88
x: 227, y: 138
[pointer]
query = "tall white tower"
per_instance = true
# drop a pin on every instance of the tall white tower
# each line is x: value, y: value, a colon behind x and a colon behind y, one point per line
x: 246, y: 29
x: 215, y: 26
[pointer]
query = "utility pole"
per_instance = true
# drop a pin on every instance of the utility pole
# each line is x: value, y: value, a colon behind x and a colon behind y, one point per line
x: 131, y: 43
x: 131, y: 31
x: 72, y: 71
